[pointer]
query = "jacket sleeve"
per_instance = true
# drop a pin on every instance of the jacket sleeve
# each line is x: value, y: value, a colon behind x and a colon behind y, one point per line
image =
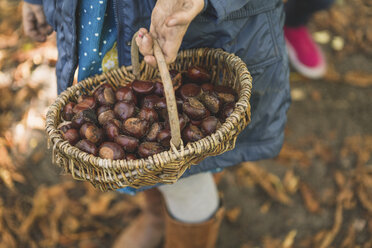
x: 222, y: 8
x: 34, y: 1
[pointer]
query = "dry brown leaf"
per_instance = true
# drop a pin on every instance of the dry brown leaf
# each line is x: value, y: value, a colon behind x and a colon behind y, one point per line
x: 290, y: 182
x: 233, y: 214
x: 349, y: 240
x: 265, y: 207
x: 100, y: 206
x: 289, y: 239
x: 311, y: 203
x: 358, y: 78
x: 268, y: 182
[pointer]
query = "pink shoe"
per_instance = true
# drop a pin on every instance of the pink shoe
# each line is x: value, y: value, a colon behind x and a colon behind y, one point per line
x: 304, y: 54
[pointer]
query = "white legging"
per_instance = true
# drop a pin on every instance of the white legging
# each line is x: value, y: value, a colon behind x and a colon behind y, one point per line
x: 193, y: 199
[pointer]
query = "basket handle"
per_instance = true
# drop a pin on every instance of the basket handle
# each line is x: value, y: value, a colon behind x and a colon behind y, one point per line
x: 168, y: 87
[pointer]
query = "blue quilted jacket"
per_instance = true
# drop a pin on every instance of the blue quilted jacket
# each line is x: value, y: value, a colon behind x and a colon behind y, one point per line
x: 252, y: 29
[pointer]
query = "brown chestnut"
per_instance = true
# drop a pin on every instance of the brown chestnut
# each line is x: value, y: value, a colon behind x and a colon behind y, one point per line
x: 126, y: 94
x: 150, y: 101
x: 191, y: 133
x: 226, y: 110
x: 159, y: 88
x: 148, y: 114
x: 71, y: 135
x: 207, y: 87
x: 104, y: 94
x: 194, y: 109
x: 196, y: 122
x: 130, y: 156
x: 87, y: 103
x: 226, y: 97
x: 91, y: 132
x: 112, y: 129
x: 198, y: 74
x: 209, y: 125
x: 153, y: 131
x: 87, y: 146
x: 111, y: 150
x: 106, y: 116
x: 149, y: 148
x: 164, y: 137
x: 176, y: 79
x: 128, y: 143
x: 211, y: 102
x: 84, y: 116
x: 136, y: 127
x: 183, y: 120
x: 224, y: 89
x: 124, y: 110
x: 189, y: 90
x: 67, y: 112
x: 143, y: 87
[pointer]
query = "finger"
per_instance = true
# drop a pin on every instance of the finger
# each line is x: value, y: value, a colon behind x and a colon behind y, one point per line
x: 35, y: 35
x: 142, y: 32
x: 49, y: 29
x: 145, y: 45
x: 150, y: 60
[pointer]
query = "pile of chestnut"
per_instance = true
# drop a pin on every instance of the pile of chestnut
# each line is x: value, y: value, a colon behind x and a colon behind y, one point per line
x: 132, y: 121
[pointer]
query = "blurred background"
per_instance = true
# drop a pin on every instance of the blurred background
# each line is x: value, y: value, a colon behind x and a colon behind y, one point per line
x: 316, y: 193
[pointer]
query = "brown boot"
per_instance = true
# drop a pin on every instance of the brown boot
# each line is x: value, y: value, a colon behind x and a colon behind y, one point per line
x: 147, y: 230
x: 183, y: 235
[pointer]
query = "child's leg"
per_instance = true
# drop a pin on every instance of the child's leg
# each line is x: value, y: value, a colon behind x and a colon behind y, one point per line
x: 193, y: 199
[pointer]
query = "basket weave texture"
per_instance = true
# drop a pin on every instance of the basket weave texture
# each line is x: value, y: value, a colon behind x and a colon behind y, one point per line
x: 166, y: 167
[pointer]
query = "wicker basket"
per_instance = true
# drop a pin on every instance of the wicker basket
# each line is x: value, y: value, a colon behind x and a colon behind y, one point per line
x: 166, y: 167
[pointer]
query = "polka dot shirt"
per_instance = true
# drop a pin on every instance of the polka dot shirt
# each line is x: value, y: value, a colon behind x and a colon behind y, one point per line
x: 96, y: 35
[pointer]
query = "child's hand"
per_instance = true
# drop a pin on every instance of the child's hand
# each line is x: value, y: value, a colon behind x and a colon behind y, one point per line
x: 169, y: 22
x: 34, y: 22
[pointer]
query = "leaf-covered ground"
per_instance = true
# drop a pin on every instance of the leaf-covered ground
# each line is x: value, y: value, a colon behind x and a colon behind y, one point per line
x: 316, y: 193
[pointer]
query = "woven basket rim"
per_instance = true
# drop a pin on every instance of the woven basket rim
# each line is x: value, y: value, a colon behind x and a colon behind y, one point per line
x: 173, y: 154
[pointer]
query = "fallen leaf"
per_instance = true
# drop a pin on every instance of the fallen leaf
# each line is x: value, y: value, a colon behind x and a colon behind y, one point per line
x: 233, y: 214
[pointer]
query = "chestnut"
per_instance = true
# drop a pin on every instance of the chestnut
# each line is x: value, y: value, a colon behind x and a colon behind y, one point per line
x: 112, y: 129
x: 149, y: 148
x: 224, y: 89
x: 143, y: 87
x: 150, y: 101
x: 71, y: 135
x: 226, y: 110
x: 153, y: 131
x: 128, y: 143
x: 106, y: 116
x: 148, y: 114
x: 87, y: 103
x: 211, y: 102
x: 104, y: 94
x: 226, y: 97
x: 189, y: 90
x: 209, y: 125
x: 196, y: 123
x: 67, y: 112
x: 159, y: 88
x: 194, y: 109
x: 87, y: 146
x: 91, y: 132
x: 176, y: 78
x: 102, y: 109
x: 207, y: 87
x: 125, y: 94
x: 198, y: 74
x: 183, y: 120
x: 191, y: 133
x: 164, y: 137
x: 136, y: 127
x: 130, y: 156
x: 111, y: 150
x: 64, y: 126
x: 124, y: 110
x: 87, y: 115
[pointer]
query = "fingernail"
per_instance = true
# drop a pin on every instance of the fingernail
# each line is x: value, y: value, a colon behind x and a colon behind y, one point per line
x: 140, y: 35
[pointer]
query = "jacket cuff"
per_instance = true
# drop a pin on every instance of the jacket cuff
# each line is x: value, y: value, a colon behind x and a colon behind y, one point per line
x: 40, y: 2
